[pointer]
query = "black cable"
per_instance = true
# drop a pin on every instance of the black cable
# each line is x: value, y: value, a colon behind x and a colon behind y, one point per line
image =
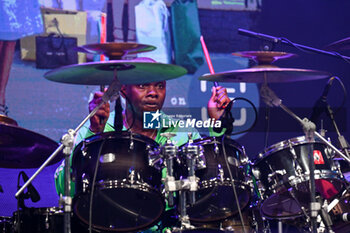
x: 255, y: 111
x: 339, y: 55
x: 267, y: 128
x: 294, y: 45
x: 93, y: 185
x: 232, y: 182
x: 344, y: 97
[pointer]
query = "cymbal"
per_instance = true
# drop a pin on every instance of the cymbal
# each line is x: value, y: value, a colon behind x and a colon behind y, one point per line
x: 7, y: 120
x: 22, y: 148
x: 115, y: 50
x: 272, y: 74
x: 343, y: 44
x: 264, y: 57
x: 136, y: 71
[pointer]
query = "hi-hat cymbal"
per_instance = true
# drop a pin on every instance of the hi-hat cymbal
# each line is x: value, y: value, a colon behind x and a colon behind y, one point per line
x: 264, y: 57
x: 339, y: 45
x: 22, y: 148
x: 116, y: 50
x: 136, y: 71
x: 269, y: 74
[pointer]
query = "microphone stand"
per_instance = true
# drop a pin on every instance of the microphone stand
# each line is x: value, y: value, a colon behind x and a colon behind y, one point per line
x: 342, y: 141
x: 67, y: 141
x: 276, y: 40
x: 271, y: 99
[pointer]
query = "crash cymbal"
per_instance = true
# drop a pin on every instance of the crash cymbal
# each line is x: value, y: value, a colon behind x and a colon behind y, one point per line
x: 264, y: 57
x: 116, y: 51
x: 269, y: 74
x: 339, y: 45
x: 137, y: 71
x: 22, y: 148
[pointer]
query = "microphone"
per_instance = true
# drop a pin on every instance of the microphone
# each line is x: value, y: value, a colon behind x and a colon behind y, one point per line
x: 321, y: 104
x: 32, y: 192
x: 258, y: 35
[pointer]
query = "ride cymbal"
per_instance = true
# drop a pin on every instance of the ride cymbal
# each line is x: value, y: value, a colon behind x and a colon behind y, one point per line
x: 268, y: 74
x: 136, y: 71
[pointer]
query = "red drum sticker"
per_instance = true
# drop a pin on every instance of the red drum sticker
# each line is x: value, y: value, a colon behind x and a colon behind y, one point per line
x: 318, y: 158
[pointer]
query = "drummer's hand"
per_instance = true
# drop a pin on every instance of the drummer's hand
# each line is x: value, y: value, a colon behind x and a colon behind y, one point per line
x: 218, y: 102
x: 99, y: 120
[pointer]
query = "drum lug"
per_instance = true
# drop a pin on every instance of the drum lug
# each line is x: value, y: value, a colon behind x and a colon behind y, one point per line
x: 85, y: 180
x: 244, y: 159
x: 298, y: 170
x: 220, y: 173
x: 216, y: 148
x: 256, y: 173
x: 84, y: 149
x: 292, y: 150
x: 200, y: 159
x: 132, y: 175
x: 154, y: 158
x: 131, y: 145
x: 47, y: 224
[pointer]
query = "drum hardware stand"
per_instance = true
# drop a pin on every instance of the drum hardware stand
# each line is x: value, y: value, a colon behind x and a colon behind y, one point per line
x: 67, y: 147
x: 168, y: 151
x: 184, y: 185
x: 270, y: 98
x: 326, y: 217
x: 342, y: 141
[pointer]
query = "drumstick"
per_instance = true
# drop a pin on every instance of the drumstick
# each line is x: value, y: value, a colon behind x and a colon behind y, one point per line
x: 207, y: 58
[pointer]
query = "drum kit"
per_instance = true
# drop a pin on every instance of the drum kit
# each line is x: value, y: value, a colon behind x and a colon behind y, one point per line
x: 126, y: 182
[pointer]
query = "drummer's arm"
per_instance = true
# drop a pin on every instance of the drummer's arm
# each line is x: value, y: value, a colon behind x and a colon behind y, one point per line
x: 216, y: 108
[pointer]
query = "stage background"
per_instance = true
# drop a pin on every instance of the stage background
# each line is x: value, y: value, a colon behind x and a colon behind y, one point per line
x: 50, y: 108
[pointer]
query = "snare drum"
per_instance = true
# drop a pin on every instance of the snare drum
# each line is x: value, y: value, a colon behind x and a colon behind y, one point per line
x: 214, y: 198
x: 127, y: 194
x: 283, y: 172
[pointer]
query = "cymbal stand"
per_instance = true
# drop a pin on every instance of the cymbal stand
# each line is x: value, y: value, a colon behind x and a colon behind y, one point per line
x: 183, y: 185
x: 271, y: 99
x: 67, y: 147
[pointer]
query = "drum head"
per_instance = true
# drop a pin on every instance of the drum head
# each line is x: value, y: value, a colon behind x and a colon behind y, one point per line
x: 127, y: 192
x: 120, y: 209
x: 215, y: 198
x: 283, y: 170
x: 217, y: 203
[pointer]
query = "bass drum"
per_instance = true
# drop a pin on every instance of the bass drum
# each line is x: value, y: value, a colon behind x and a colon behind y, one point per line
x: 127, y: 194
x: 283, y: 173
x: 215, y: 199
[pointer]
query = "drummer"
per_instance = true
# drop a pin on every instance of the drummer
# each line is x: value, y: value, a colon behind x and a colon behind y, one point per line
x: 140, y: 98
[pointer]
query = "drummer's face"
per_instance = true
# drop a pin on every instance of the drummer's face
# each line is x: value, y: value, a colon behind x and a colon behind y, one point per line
x: 146, y: 97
